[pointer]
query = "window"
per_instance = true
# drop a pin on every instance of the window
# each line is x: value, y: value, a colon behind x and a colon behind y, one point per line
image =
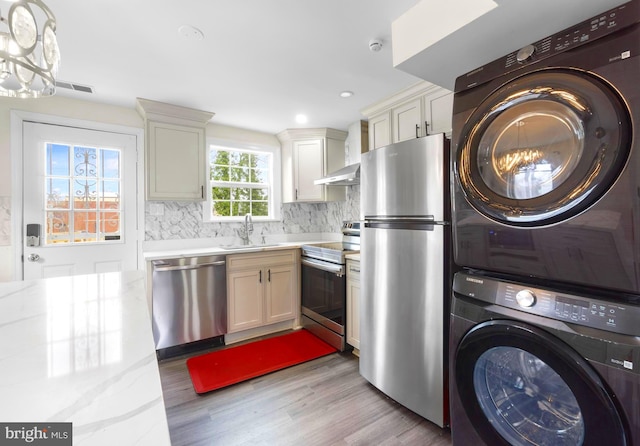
x: 242, y: 181
x: 82, y: 187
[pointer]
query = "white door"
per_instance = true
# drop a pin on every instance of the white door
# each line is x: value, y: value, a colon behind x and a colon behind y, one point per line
x: 79, y: 201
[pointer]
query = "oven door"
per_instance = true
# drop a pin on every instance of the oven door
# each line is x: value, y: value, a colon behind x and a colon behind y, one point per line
x: 324, y: 294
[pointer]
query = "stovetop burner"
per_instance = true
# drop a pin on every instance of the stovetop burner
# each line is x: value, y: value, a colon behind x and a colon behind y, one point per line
x: 335, y: 251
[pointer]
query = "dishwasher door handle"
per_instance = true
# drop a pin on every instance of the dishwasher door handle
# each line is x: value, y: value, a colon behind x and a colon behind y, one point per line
x: 188, y: 267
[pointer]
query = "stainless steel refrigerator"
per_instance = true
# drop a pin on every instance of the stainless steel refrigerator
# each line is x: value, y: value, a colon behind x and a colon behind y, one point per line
x: 405, y: 273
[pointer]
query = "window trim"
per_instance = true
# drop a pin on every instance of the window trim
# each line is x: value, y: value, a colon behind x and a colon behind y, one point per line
x: 276, y: 182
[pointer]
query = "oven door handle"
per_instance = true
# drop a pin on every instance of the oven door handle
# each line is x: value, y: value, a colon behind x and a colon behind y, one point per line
x: 338, y: 270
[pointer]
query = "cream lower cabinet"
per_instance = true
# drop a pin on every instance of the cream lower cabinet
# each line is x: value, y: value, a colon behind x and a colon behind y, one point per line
x: 353, y: 303
x: 262, y: 289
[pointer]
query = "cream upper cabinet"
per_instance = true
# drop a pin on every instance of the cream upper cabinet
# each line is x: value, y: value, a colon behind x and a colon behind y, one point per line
x: 380, y: 130
x: 308, y: 158
x: 420, y: 110
x: 308, y: 155
x: 438, y: 112
x: 175, y: 151
x: 262, y: 289
x: 353, y: 303
x: 407, y: 119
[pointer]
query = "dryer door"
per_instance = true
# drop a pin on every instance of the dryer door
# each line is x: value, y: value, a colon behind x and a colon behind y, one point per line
x: 520, y: 385
x: 543, y: 148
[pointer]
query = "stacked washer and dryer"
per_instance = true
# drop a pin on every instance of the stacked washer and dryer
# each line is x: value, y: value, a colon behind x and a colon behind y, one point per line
x: 545, y: 314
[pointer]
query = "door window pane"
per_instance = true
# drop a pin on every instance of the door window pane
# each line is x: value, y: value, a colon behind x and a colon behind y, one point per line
x: 110, y: 163
x: 57, y: 159
x: 57, y: 193
x: 57, y: 227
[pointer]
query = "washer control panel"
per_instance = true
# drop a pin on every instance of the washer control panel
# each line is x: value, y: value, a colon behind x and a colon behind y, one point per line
x: 604, y: 315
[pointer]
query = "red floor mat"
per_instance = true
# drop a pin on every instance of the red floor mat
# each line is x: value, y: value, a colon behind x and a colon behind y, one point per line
x: 235, y: 364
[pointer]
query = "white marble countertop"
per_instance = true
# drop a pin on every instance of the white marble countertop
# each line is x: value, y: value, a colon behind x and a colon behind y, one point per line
x: 212, y: 250
x: 80, y: 349
x: 188, y: 249
x: 353, y: 257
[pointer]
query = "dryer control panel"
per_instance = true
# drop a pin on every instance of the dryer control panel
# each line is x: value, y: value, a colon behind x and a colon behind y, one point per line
x: 595, y: 313
x: 585, y: 32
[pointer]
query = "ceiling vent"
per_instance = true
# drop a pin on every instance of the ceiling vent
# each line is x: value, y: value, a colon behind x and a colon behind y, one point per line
x: 75, y: 87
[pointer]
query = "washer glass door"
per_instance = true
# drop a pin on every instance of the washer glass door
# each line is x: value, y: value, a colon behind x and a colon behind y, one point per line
x: 521, y: 386
x: 543, y: 148
x: 524, y: 398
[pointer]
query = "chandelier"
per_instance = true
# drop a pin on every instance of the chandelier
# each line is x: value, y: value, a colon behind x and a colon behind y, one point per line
x: 29, y: 54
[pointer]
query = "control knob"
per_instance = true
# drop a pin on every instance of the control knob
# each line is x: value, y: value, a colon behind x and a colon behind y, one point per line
x: 525, y: 53
x: 525, y: 298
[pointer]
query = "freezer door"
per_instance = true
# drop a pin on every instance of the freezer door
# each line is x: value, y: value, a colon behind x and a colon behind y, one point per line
x: 402, y: 329
x: 405, y: 179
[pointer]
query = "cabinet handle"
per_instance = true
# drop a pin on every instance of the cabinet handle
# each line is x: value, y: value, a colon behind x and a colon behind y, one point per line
x: 201, y: 191
x: 260, y: 278
x: 354, y: 270
x: 269, y: 275
x: 417, y: 128
x: 426, y: 127
x: 296, y: 194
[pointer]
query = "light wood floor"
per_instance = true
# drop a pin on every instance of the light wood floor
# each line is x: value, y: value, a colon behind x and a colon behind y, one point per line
x: 321, y: 402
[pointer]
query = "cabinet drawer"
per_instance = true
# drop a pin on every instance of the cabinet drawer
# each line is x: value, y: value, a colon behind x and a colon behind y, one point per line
x: 239, y: 261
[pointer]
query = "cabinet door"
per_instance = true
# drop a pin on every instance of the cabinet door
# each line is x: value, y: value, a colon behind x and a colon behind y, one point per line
x: 281, y: 281
x: 308, y: 166
x: 407, y: 121
x: 175, y: 162
x: 438, y: 112
x: 353, y: 305
x: 380, y: 131
x: 245, y: 302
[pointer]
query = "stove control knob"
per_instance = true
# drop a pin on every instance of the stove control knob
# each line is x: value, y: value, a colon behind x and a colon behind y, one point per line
x: 525, y: 53
x: 526, y: 298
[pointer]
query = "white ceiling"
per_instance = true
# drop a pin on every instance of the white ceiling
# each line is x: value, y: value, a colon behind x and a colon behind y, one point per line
x: 261, y: 61
x: 264, y: 61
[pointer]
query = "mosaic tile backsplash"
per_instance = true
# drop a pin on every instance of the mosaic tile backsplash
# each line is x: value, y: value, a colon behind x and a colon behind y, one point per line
x: 184, y: 220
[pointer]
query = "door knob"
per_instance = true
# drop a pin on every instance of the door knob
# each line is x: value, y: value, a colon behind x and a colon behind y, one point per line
x: 33, y: 257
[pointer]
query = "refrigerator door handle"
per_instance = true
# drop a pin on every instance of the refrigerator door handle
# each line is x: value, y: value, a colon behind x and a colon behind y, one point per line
x: 384, y: 218
x: 414, y: 223
x: 426, y: 220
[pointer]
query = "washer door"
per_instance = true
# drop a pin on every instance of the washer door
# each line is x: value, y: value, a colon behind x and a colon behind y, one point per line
x: 543, y: 148
x: 519, y: 385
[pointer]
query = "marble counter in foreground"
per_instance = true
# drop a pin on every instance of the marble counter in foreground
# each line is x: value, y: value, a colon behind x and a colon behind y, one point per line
x: 80, y: 349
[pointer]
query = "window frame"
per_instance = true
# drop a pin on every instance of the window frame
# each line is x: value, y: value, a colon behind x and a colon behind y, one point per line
x: 275, y: 201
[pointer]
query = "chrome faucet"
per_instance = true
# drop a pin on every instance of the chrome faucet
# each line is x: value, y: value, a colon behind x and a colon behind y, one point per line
x: 246, y: 231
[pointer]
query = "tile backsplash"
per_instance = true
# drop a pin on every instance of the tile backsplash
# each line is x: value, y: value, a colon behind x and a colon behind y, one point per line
x: 184, y: 220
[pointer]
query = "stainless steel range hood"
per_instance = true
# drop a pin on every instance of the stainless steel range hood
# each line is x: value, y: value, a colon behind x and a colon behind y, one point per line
x: 347, y: 176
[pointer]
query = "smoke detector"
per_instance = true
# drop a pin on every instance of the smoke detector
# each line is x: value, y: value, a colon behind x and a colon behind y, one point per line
x: 375, y: 45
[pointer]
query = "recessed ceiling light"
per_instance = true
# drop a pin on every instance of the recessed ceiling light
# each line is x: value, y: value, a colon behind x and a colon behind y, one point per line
x: 346, y: 94
x: 190, y: 32
x: 301, y: 119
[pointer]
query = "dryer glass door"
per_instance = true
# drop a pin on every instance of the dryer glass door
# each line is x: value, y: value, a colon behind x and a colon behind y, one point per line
x: 543, y: 148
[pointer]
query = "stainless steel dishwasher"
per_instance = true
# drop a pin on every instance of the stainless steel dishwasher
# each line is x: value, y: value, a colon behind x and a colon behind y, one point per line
x: 189, y: 300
